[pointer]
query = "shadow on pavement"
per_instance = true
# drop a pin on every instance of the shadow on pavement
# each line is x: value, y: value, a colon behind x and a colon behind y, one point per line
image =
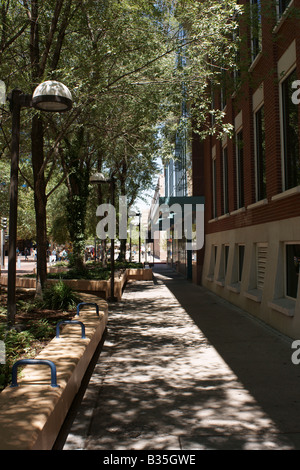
x: 161, y: 383
x: 259, y: 356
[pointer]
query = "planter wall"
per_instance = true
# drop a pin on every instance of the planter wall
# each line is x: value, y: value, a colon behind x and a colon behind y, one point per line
x: 99, y: 288
x: 32, y: 413
x: 139, y: 274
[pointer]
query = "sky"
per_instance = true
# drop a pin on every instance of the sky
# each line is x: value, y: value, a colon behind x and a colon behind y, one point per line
x: 141, y: 205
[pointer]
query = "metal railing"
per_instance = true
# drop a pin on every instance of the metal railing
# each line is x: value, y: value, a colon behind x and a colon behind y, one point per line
x: 88, y: 303
x: 34, y: 361
x: 72, y: 322
x: 46, y: 362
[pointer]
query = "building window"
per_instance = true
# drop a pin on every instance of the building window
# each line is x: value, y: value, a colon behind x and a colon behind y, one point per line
x: 214, y: 187
x: 256, y: 35
x: 240, y: 169
x: 225, y: 180
x: 223, y: 96
x: 224, y: 86
x: 212, y: 108
x: 282, y: 6
x: 213, y: 261
x: 237, y: 61
x: 292, y: 269
x: 241, y: 261
x: 290, y: 134
x: 226, y: 255
x: 260, y: 154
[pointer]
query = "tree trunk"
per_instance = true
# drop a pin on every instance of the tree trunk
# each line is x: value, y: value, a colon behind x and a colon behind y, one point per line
x: 122, y: 254
x: 78, y: 191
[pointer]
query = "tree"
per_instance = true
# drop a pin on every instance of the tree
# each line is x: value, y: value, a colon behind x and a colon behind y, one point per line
x: 44, y: 27
x: 77, y: 167
x: 118, y: 58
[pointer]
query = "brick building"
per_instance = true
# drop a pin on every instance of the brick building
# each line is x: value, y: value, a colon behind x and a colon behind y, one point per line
x: 251, y: 182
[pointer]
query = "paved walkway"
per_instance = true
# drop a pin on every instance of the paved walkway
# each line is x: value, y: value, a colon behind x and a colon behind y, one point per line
x: 182, y: 369
x: 23, y: 266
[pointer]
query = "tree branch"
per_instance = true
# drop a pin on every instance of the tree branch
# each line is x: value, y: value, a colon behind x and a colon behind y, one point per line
x: 64, y: 177
x: 61, y: 34
x: 150, y: 62
x: 26, y: 179
x: 55, y: 17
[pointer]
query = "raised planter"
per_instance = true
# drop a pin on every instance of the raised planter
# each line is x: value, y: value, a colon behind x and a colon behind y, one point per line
x: 99, y: 288
x: 139, y: 274
x: 32, y: 413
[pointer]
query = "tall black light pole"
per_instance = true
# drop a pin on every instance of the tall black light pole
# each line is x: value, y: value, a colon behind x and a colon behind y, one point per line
x: 140, y: 247
x: 112, y: 246
x: 99, y: 178
x: 48, y: 96
x: 138, y: 214
x: 130, y: 241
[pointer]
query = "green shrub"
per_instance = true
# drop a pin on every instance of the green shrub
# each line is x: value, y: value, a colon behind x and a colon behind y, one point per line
x: 127, y: 265
x: 90, y: 274
x: 17, y: 342
x: 59, y: 296
x: 22, y: 344
x: 41, y: 329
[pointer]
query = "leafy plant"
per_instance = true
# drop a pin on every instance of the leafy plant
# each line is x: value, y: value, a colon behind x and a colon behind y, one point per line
x: 59, y: 296
x: 17, y: 342
x: 22, y: 344
x: 95, y: 273
x: 41, y: 329
x: 127, y: 265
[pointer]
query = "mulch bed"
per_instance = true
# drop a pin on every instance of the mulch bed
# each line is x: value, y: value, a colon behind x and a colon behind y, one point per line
x: 22, y: 316
x: 22, y: 322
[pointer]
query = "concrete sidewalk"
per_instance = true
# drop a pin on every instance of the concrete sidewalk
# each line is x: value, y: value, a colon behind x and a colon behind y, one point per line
x: 183, y: 370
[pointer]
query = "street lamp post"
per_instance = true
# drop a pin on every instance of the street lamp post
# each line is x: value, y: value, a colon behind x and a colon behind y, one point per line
x: 99, y: 178
x: 48, y: 96
x: 130, y: 242
x: 138, y: 214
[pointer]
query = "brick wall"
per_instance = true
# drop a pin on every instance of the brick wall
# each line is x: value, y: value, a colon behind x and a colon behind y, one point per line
x: 275, y: 43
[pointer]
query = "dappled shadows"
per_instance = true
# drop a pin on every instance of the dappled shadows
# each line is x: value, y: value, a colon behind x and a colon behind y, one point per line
x: 259, y: 357
x: 159, y: 384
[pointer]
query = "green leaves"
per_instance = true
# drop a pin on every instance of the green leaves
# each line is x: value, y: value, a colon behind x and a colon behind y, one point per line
x: 60, y: 297
x: 129, y: 65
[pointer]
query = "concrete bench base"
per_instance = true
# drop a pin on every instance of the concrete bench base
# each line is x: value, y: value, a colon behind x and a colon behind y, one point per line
x: 32, y: 413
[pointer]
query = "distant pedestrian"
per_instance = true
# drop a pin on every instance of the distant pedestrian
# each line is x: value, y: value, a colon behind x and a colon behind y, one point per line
x: 54, y: 257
